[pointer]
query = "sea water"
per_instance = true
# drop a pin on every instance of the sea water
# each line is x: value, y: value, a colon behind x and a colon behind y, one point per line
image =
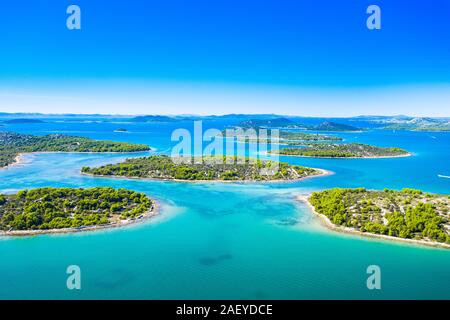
x: 217, y: 240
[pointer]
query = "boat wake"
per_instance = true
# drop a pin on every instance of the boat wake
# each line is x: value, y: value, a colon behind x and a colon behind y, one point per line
x: 442, y: 176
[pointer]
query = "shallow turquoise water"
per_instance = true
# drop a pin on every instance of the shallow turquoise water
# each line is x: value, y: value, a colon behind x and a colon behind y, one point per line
x: 225, y: 240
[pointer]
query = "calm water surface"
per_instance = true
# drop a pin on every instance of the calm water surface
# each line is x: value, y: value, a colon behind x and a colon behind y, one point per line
x: 241, y: 241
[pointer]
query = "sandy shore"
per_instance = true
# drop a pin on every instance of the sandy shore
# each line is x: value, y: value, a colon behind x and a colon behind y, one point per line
x: 323, y: 173
x: 154, y: 211
x: 330, y: 225
x: 18, y: 160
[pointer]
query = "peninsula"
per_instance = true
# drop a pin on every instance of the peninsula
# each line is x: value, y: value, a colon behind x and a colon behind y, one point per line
x: 409, y: 214
x: 226, y: 168
x: 13, y: 144
x: 48, y: 210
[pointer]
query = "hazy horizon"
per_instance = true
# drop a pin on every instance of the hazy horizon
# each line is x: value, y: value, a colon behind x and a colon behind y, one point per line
x: 123, y: 97
x: 286, y: 57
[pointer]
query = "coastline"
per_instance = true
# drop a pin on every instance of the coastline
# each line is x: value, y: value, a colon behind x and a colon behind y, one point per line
x: 323, y: 173
x: 331, y: 226
x: 19, y: 159
x: 153, y: 212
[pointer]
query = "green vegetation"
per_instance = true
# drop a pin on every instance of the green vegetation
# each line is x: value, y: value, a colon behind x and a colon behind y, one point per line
x: 23, y: 120
x: 153, y: 118
x: 11, y: 144
x: 409, y: 213
x: 56, y: 208
x: 418, y: 124
x: 285, y: 137
x: 291, y: 124
x: 333, y: 126
x: 206, y: 168
x: 270, y: 123
x: 345, y: 150
x: 301, y: 136
x: 7, y: 156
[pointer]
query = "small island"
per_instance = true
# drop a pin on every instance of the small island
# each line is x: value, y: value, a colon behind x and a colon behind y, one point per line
x: 344, y: 150
x: 53, y: 210
x: 333, y: 126
x: 154, y: 118
x: 13, y: 144
x: 286, y: 123
x: 284, y: 137
x: 23, y: 121
x: 279, y: 122
x: 409, y: 214
x: 226, y: 168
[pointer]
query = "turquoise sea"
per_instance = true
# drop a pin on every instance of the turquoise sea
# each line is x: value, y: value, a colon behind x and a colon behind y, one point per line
x: 231, y: 241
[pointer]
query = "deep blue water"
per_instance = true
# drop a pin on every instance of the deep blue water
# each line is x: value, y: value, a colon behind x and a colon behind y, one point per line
x: 225, y: 240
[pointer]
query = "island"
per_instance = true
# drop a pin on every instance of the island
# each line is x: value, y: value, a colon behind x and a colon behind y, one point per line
x: 333, y: 126
x: 284, y: 137
x: 286, y: 123
x: 419, y: 124
x: 408, y: 214
x: 408, y: 123
x: 13, y: 144
x: 214, y: 168
x: 344, y: 150
x: 53, y: 210
x: 154, y: 118
x: 23, y: 121
x: 270, y: 123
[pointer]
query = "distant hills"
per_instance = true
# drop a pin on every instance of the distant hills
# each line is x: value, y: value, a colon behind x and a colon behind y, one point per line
x: 154, y: 118
x: 333, y: 126
x: 414, y: 123
x: 398, y: 122
x: 270, y: 123
x: 286, y: 123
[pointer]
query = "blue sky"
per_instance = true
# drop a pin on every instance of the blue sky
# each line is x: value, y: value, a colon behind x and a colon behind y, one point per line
x: 222, y: 56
